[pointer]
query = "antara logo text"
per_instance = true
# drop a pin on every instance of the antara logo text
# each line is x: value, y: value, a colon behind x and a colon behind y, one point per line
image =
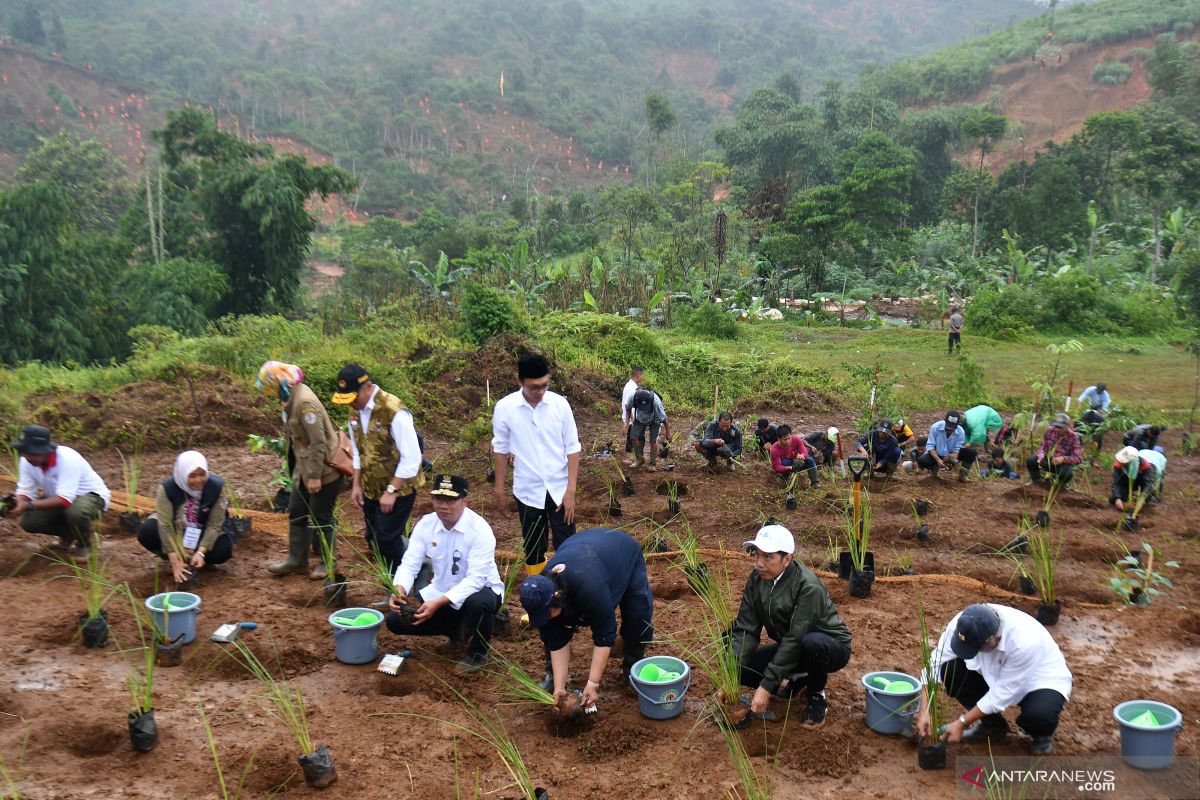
x: 1085, y: 780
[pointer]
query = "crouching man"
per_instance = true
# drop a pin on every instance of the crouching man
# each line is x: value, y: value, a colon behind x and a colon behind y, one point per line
x: 991, y: 657
x: 466, y: 590
x: 808, y: 638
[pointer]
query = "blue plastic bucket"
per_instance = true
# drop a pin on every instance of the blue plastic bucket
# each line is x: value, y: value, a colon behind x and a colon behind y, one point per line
x: 890, y: 712
x: 178, y: 618
x: 356, y: 644
x: 1148, y: 746
x: 661, y: 700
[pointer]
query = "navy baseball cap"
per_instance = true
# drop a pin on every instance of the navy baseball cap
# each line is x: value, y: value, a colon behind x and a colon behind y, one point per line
x: 537, y: 591
x: 977, y: 625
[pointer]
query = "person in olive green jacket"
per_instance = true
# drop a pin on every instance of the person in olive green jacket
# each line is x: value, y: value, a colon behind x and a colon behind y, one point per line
x: 312, y: 440
x: 809, y: 638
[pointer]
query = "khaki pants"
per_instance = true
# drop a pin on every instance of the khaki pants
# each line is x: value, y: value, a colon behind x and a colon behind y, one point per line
x: 70, y: 522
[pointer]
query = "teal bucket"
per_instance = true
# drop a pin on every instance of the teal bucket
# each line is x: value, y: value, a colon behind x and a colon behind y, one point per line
x: 890, y: 712
x: 178, y: 618
x: 661, y: 699
x: 356, y: 643
x: 1147, y: 744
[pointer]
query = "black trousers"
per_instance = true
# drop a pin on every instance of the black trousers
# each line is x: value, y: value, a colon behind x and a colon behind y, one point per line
x: 1040, y: 709
x: 314, y: 511
x: 387, y: 530
x: 820, y: 654
x: 474, y: 619
x: 955, y: 340
x: 534, y: 524
x: 966, y: 458
x: 149, y: 538
x: 1061, y: 472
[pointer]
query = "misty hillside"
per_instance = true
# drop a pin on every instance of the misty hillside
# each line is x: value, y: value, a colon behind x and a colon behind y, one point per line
x: 541, y: 94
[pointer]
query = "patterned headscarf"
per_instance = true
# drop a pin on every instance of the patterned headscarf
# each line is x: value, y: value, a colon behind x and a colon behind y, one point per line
x: 276, y: 377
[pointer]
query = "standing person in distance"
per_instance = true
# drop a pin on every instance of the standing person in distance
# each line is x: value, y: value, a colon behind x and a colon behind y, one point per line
x: 537, y: 428
x: 387, y: 462
x: 956, y: 326
x: 636, y: 375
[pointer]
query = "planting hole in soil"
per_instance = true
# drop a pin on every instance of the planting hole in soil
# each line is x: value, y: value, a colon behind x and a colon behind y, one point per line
x: 94, y: 630
x: 318, y: 767
x: 566, y: 718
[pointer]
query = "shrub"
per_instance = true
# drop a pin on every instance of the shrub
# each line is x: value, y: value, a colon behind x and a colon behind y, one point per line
x: 1002, y: 313
x: 486, y: 312
x: 1111, y: 73
x: 709, y: 319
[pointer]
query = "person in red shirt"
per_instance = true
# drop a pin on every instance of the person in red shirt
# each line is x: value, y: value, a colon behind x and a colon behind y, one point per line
x: 789, y: 455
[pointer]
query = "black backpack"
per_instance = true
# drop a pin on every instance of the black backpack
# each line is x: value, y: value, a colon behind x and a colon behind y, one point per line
x: 643, y: 404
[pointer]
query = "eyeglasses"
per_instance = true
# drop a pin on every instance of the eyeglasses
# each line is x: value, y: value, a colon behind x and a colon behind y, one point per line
x: 454, y: 562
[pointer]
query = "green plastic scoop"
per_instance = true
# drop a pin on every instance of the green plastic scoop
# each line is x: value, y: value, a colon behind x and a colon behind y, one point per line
x: 1146, y: 719
x: 893, y: 687
x: 365, y: 618
x: 651, y: 673
x: 169, y: 606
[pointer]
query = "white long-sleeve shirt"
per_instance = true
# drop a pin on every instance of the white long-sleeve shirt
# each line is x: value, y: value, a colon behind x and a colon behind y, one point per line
x: 1094, y: 399
x: 1026, y: 659
x: 68, y: 475
x: 540, y: 438
x: 463, y: 558
x: 404, y: 434
x: 627, y: 395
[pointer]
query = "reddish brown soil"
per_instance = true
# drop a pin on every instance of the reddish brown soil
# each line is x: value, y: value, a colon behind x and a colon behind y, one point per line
x: 68, y: 704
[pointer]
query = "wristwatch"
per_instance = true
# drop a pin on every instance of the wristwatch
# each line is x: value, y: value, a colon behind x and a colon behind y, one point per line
x: 962, y: 718
x: 391, y: 489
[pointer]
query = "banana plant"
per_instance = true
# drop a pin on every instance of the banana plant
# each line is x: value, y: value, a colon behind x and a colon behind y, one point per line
x: 438, y: 282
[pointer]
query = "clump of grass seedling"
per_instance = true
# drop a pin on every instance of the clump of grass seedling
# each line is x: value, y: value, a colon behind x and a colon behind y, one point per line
x: 1044, y: 548
x: 140, y: 679
x: 226, y: 794
x: 285, y: 700
x: 520, y: 686
x: 752, y: 784
x: 491, y: 731
x: 131, y: 471
x: 931, y: 682
x: 857, y: 533
x: 374, y: 564
x: 91, y: 576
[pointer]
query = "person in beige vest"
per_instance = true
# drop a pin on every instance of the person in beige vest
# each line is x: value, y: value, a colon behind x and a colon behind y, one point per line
x: 387, y: 460
x: 312, y: 440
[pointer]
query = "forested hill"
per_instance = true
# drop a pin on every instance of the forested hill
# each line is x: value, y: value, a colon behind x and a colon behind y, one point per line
x: 450, y: 101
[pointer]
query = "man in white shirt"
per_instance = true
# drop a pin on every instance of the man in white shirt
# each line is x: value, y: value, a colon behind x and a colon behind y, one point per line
x: 58, y: 492
x: 636, y: 374
x: 537, y: 428
x: 991, y: 657
x: 387, y: 461
x: 466, y: 590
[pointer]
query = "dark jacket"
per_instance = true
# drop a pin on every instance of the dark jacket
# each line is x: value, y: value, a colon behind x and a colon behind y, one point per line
x: 602, y: 565
x: 794, y: 605
x: 1140, y: 438
x: 881, y: 446
x: 210, y: 516
x: 1143, y: 479
x: 818, y: 442
x: 732, y: 437
x: 768, y: 437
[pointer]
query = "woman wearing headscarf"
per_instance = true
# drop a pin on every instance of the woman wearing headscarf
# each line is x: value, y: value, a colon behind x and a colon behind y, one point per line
x: 188, y: 524
x: 312, y: 442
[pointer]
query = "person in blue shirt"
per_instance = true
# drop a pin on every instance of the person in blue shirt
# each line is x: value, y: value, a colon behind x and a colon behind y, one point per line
x: 946, y: 446
x: 881, y: 447
x: 592, y: 574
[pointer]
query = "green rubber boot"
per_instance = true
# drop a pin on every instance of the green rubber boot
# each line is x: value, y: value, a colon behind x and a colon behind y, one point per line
x: 299, y: 540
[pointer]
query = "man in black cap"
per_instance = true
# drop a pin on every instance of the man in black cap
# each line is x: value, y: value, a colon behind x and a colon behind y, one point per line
x: 591, y: 574
x: 58, y: 492
x: 946, y: 446
x: 387, y: 462
x: 466, y: 590
x: 991, y: 657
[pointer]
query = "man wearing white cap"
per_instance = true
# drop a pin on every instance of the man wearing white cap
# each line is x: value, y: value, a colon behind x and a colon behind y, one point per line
x: 1131, y: 473
x: 822, y: 442
x: 808, y: 638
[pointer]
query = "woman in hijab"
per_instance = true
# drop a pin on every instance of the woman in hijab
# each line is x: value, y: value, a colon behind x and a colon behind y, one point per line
x: 312, y: 443
x: 188, y: 524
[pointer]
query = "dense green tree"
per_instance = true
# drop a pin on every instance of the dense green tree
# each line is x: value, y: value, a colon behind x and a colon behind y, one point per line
x: 984, y: 129
x: 254, y: 205
x: 27, y: 25
x: 176, y: 293
x: 96, y: 188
